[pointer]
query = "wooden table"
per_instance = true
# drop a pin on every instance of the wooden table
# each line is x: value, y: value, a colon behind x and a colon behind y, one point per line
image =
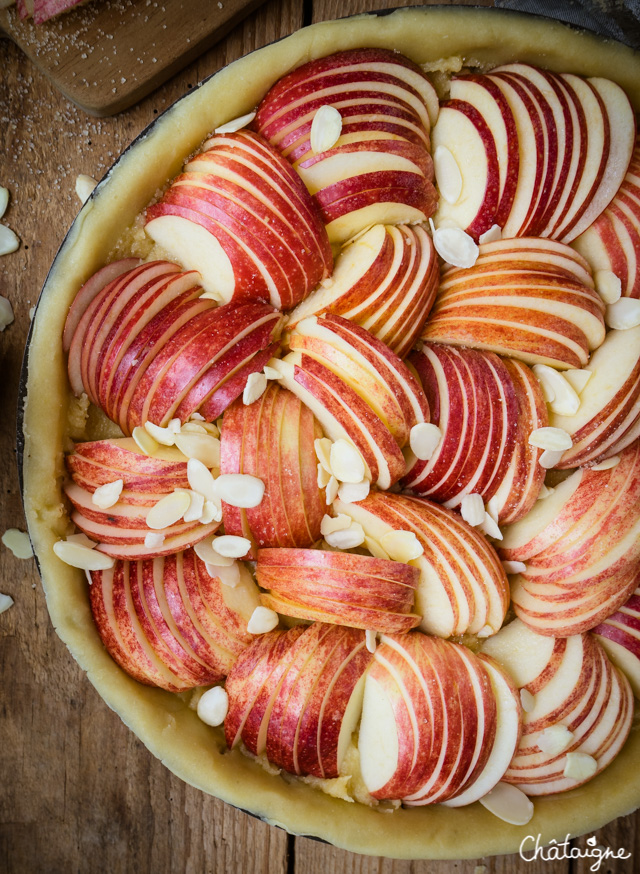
x: 78, y: 791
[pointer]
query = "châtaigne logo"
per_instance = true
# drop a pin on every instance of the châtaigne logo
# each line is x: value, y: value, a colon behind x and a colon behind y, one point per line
x: 556, y: 851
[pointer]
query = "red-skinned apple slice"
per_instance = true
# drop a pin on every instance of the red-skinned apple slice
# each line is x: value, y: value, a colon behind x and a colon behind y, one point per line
x: 619, y: 634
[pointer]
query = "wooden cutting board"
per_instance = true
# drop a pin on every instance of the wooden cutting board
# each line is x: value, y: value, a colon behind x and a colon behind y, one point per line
x: 109, y: 54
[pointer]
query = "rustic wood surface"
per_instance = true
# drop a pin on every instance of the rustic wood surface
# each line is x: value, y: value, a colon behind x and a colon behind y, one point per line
x: 78, y: 791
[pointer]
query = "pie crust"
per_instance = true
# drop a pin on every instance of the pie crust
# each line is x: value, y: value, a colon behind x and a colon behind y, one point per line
x: 163, y: 721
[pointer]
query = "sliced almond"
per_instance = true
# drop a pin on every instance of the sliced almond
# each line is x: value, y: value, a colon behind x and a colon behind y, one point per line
x: 168, y: 510
x: 4, y: 200
x: 577, y: 378
x: 558, y: 392
x: 492, y: 509
x: 254, y: 389
x: 472, y: 510
x: 230, y: 546
x: 196, y: 417
x: 347, y: 465
x: 514, y: 567
x: 193, y: 428
x: 206, y: 553
x: 165, y: 436
x: 271, y: 372
x: 374, y: 548
x: 175, y: 426
x: 323, y: 476
x: 454, y: 246
x: 580, y: 766
x: 262, y: 620
x: 107, y: 495
x: 9, y: 242
x: 77, y: 555
x: 240, y: 489
x: 84, y: 186
x: 555, y: 739
x: 486, y: 631
x: 230, y: 127
x: 527, y: 700
x: 211, y: 428
x: 331, y: 491
x: 144, y: 441
x: 424, y: 439
x: 201, y: 479
x: 6, y: 601
x: 322, y: 446
x: 491, y: 527
x: 607, y: 463
x: 351, y: 493
x: 329, y: 524
x: 18, y: 542
x: 211, y: 512
x: 229, y: 575
x: 555, y: 439
x: 153, y: 540
x: 6, y: 312
x: 509, y: 804
x: 196, y: 507
x: 326, y: 128
x: 608, y: 285
x: 213, y: 706
x: 448, y: 175
x: 550, y: 458
x: 371, y: 639
x: 623, y: 314
x: 202, y: 446
x: 491, y: 236
x: 544, y: 492
x: 346, y: 538
x: 401, y: 545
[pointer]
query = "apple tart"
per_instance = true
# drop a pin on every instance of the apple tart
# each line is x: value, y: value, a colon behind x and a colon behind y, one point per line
x: 349, y: 377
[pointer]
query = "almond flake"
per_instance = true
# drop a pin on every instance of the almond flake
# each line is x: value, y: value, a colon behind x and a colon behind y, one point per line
x: 454, y: 246
x: 527, y: 700
x: 486, y: 631
x: 346, y: 538
x: 544, y: 492
x: 8, y: 241
x: 608, y: 285
x: 6, y: 601
x: 254, y: 389
x: 240, y: 489
x: 18, y: 542
x: 201, y: 480
x: 550, y: 457
x: 230, y: 546
x: 401, y: 545
x: 211, y: 428
x: 493, y: 510
x: 82, y: 539
x: 196, y: 507
x: 206, y: 553
x: 351, y: 493
x: 144, y: 441
x: 577, y: 378
x: 514, y: 567
x: 623, y: 314
x: 175, y: 426
x: 4, y: 200
x: 322, y: 446
x: 448, y: 175
x: 554, y: 740
x: 323, y: 476
x: 229, y: 575
x: 580, y: 766
x: 558, y: 392
x: 202, y: 446
x: 79, y: 556
x: 169, y: 510
x: 472, y: 510
x: 211, y: 512
x: 509, y: 804
x: 161, y: 435
x: 490, y: 527
x: 84, y: 186
x: 375, y: 549
x: 153, y: 540
x: 607, y: 464
x: 193, y: 428
x: 371, y: 640
x: 6, y: 313
x: 555, y: 439
x: 347, y: 465
x: 236, y: 124
x: 197, y: 417
x: 326, y: 128
x: 213, y: 706
x: 424, y: 439
x: 491, y: 236
x: 331, y: 492
x: 329, y: 524
x: 262, y: 620
x: 271, y: 372
x: 107, y: 495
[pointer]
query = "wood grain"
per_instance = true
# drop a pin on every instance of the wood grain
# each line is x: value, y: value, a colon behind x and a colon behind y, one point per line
x: 78, y: 791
